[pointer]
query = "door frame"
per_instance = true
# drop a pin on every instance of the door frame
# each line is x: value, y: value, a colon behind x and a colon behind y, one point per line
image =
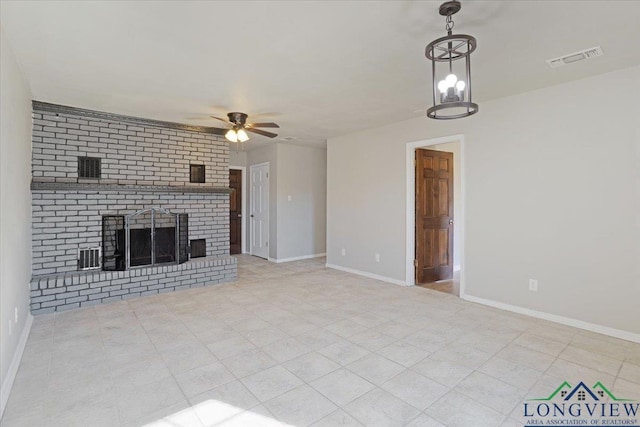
x: 245, y: 207
x: 410, y: 278
x: 251, y: 168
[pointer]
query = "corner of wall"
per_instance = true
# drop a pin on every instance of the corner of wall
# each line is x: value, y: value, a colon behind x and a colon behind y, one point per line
x: 15, y: 223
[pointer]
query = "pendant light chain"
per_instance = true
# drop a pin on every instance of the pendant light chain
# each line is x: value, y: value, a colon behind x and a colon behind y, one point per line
x: 450, y: 24
x: 449, y: 27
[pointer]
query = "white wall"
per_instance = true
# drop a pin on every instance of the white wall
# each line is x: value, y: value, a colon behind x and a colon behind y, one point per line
x: 237, y: 158
x: 15, y: 212
x: 302, y: 177
x: 297, y: 228
x: 552, y: 192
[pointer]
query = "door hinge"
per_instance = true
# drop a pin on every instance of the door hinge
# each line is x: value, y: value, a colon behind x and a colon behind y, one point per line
x: 267, y: 244
x: 414, y: 162
x: 415, y: 262
x: 267, y: 174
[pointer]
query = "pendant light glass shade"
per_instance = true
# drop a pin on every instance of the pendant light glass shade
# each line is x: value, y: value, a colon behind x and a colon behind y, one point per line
x: 237, y: 135
x: 242, y: 135
x: 232, y: 135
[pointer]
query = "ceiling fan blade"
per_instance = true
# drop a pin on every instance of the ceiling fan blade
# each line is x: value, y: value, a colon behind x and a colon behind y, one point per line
x: 263, y: 125
x: 262, y: 132
x: 223, y: 120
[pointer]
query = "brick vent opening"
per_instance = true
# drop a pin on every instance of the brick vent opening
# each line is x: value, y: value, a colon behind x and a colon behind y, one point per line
x: 196, y: 173
x: 88, y: 167
x: 89, y: 259
x: 198, y: 248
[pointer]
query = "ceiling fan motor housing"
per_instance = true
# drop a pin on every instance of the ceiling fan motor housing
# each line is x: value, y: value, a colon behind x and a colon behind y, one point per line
x: 237, y: 118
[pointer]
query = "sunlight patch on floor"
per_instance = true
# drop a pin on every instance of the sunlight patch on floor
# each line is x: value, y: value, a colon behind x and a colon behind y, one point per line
x: 213, y: 412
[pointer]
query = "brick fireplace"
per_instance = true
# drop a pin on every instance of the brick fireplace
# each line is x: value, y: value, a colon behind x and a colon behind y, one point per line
x: 116, y: 207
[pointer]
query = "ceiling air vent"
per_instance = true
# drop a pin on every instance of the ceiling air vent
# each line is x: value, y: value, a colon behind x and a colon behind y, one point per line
x: 575, y: 57
x: 288, y: 138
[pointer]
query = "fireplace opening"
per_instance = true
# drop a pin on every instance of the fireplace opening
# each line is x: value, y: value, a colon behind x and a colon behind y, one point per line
x: 146, y: 237
x: 141, y: 246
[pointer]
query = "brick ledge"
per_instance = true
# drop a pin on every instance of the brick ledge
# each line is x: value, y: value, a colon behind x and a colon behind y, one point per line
x: 40, y: 185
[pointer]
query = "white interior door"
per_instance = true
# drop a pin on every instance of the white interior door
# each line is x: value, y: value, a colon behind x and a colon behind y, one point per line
x: 260, y: 210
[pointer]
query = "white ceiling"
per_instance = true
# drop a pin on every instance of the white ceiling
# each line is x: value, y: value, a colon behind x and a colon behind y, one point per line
x: 319, y: 69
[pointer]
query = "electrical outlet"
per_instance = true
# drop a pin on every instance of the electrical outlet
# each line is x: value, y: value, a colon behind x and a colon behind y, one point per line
x: 533, y: 285
x: 16, y: 314
x: 344, y: 252
x: 289, y: 198
x: 377, y: 257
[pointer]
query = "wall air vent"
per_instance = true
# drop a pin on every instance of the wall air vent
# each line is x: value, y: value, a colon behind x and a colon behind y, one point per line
x: 89, y: 167
x: 575, y: 57
x: 89, y: 259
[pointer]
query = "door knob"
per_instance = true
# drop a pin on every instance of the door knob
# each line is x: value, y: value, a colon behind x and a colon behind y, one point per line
x: 251, y: 215
x: 239, y: 215
x: 450, y: 221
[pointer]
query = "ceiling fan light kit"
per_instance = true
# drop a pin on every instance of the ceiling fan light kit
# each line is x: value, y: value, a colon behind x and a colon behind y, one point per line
x: 238, y: 133
x: 450, y: 58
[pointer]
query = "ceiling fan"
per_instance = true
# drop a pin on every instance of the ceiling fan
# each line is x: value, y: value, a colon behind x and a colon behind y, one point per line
x: 238, y: 133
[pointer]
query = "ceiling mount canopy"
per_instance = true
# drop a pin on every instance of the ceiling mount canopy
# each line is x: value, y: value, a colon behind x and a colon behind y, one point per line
x: 450, y: 58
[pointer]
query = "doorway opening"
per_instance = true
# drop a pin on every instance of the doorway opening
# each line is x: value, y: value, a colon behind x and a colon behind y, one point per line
x: 236, y: 209
x: 435, y: 214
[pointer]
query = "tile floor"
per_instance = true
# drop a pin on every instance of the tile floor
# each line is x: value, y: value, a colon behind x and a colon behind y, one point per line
x: 298, y: 344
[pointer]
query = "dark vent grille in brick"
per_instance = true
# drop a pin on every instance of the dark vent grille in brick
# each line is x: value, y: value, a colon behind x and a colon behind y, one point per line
x: 197, y: 173
x: 88, y: 167
x: 88, y: 259
x: 198, y: 248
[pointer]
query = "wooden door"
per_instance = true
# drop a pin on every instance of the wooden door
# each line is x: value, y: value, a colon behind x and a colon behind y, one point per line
x: 235, y: 211
x: 434, y: 216
x: 260, y: 210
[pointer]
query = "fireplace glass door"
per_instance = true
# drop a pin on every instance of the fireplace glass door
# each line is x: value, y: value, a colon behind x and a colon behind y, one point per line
x: 164, y: 244
x: 139, y: 242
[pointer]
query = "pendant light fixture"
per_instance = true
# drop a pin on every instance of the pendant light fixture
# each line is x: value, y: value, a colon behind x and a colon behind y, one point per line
x: 450, y: 58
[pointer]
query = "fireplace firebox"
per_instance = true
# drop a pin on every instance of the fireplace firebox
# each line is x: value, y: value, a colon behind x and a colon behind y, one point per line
x: 147, y: 237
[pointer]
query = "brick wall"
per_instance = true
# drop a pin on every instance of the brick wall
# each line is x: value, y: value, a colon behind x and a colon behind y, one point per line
x: 64, y: 221
x: 130, y: 153
x: 143, y: 165
x: 64, y: 292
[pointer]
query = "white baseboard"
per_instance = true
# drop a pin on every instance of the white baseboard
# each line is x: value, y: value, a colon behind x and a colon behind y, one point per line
x: 297, y: 258
x: 591, y: 327
x: 367, y: 274
x: 7, y: 384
